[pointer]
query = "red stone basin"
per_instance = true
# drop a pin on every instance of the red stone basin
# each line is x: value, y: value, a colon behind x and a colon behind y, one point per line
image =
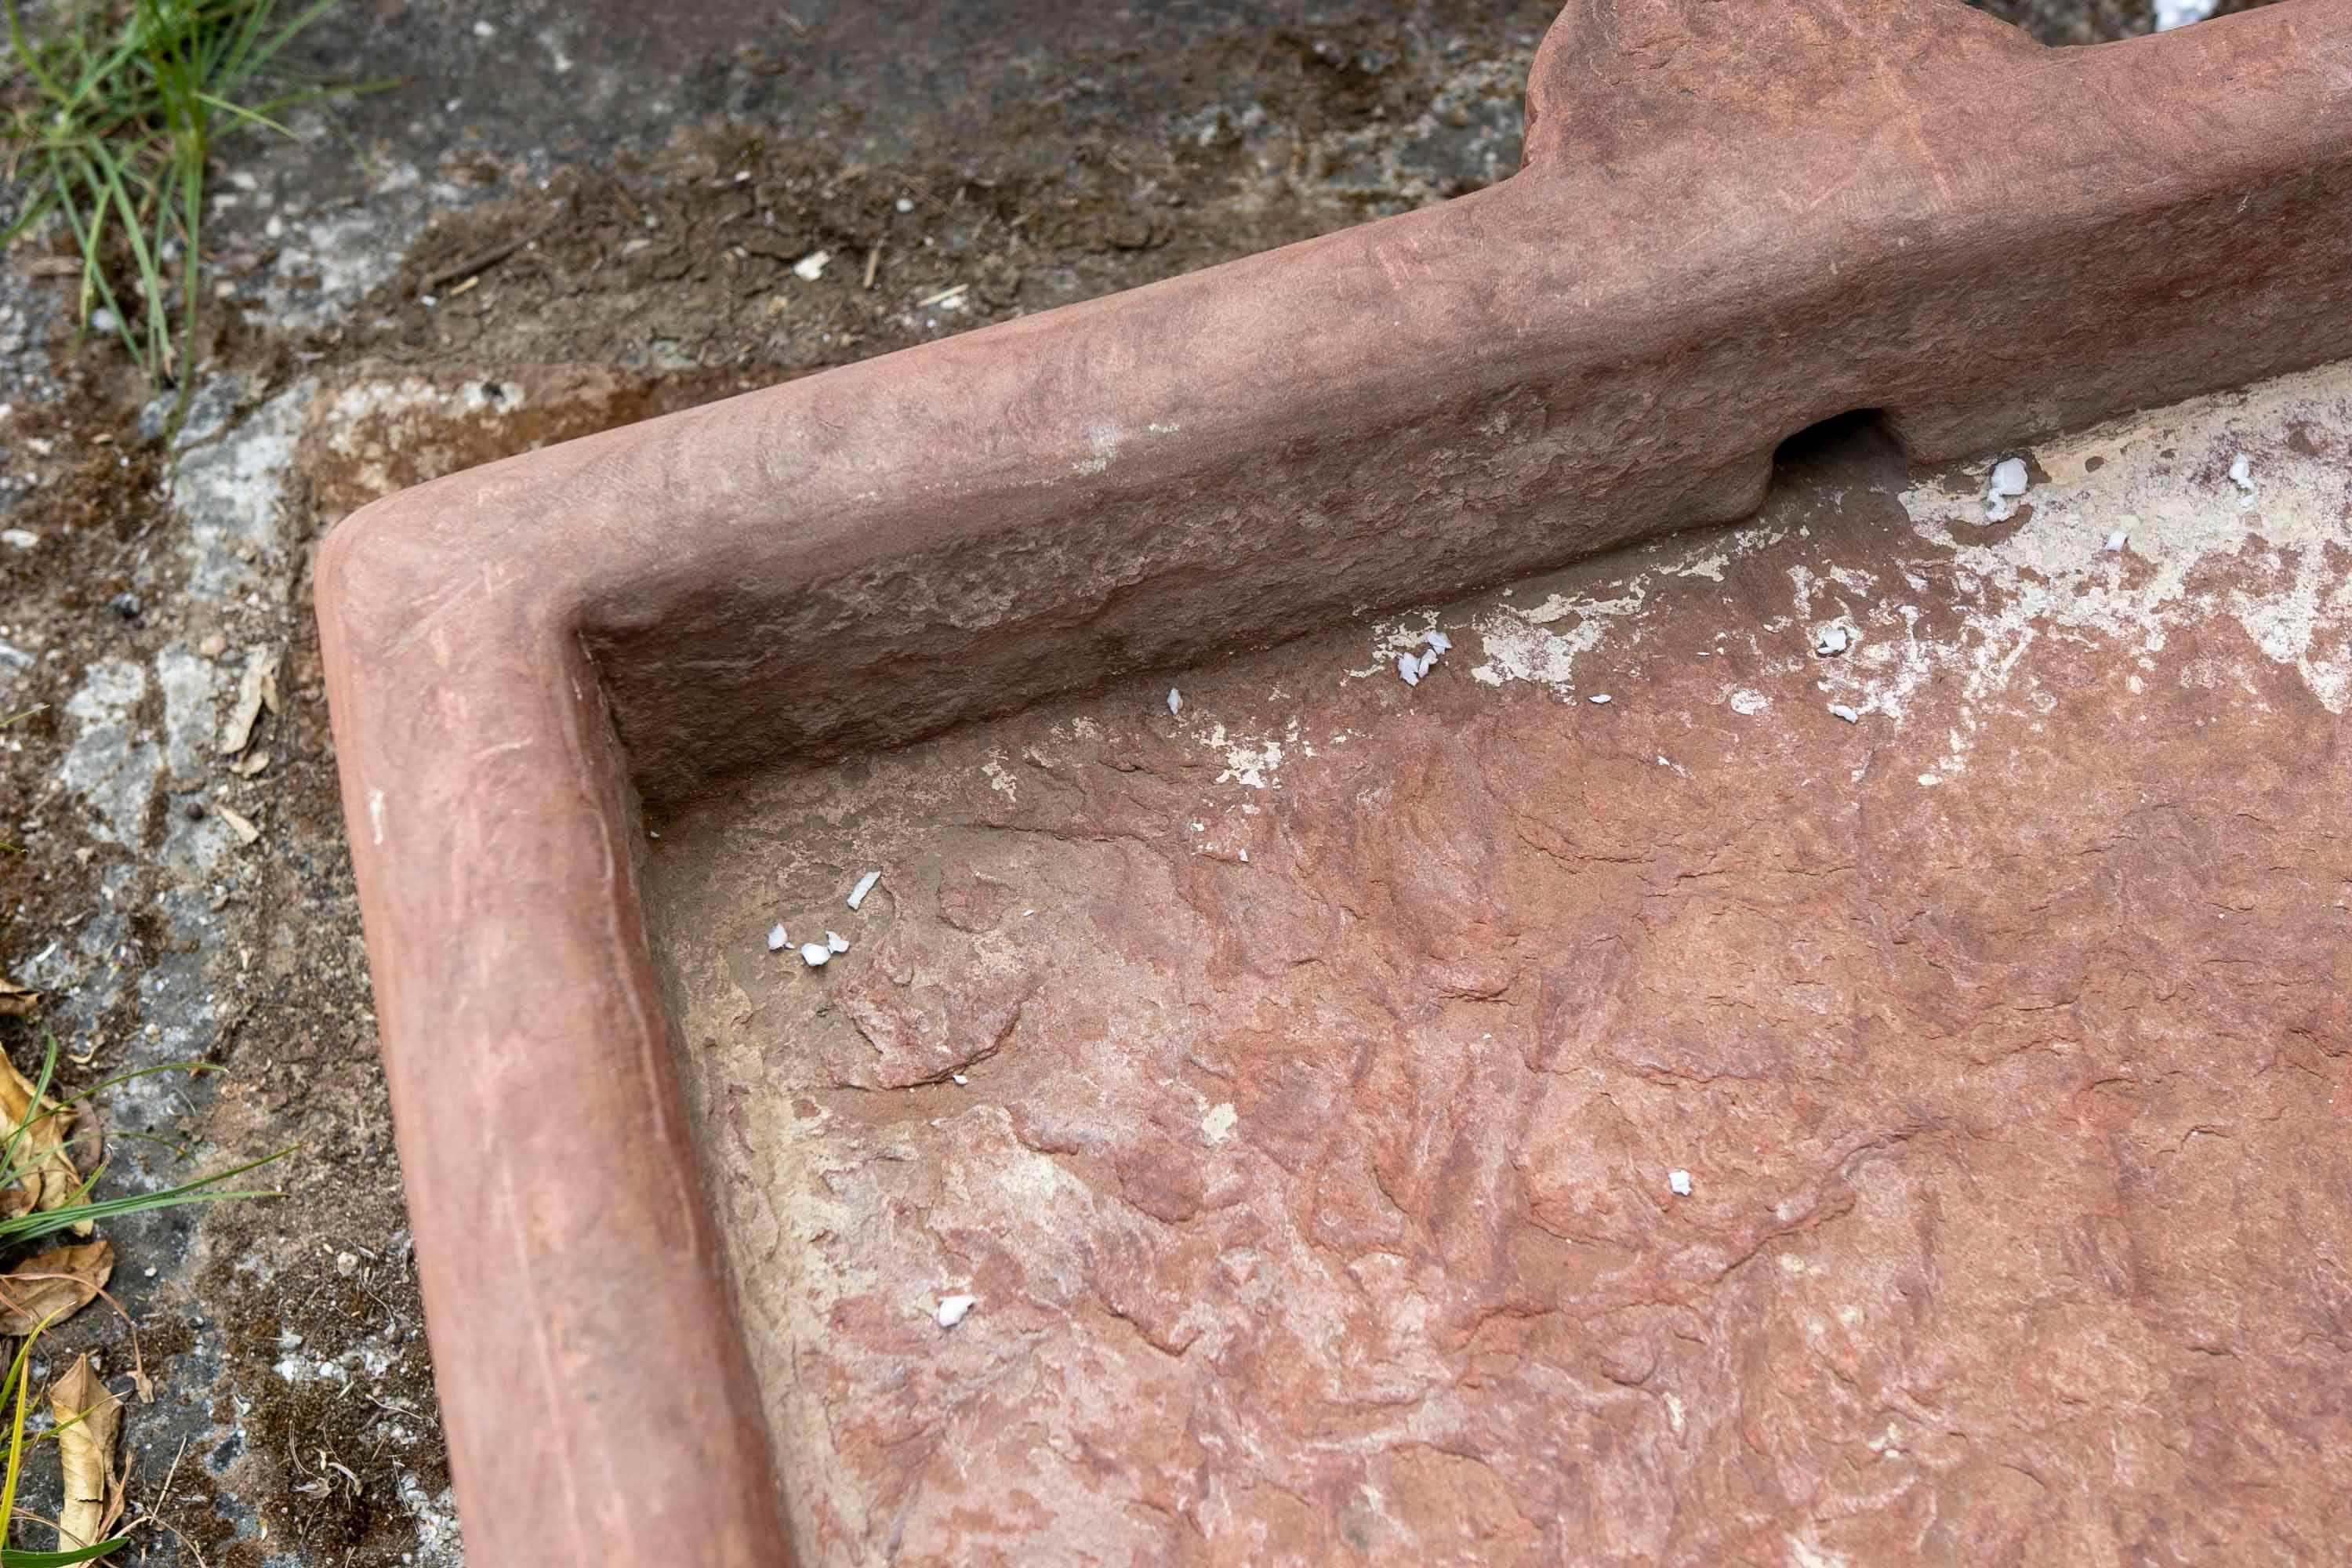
x: 1298, y: 1083
x: 1322, y: 1204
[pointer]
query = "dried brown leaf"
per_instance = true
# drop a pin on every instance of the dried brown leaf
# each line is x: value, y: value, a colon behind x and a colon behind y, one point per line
x: 53, y: 1285
x: 90, y: 1420
x: 17, y: 1001
x: 256, y: 691
x: 238, y: 824
x: 49, y: 1178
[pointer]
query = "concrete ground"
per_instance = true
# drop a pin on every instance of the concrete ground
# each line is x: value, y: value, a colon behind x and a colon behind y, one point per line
x: 556, y: 217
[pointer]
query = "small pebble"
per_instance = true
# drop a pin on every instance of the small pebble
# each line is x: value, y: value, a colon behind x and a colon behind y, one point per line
x: 347, y: 1263
x: 776, y: 937
x: 1175, y: 700
x: 1834, y: 641
x: 126, y: 605
x: 2242, y: 473
x: 835, y: 941
x: 953, y: 1308
x: 2116, y: 540
x: 815, y: 955
x: 2008, y: 481
x: 906, y: 204
x: 960, y: 1079
x: 1841, y: 710
x: 1679, y: 1181
x: 19, y: 538
x: 1600, y: 700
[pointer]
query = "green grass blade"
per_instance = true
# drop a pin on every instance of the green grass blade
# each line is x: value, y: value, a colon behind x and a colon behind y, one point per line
x: 203, y: 1190
x: 93, y: 277
x: 20, y: 1383
x: 11, y: 1169
x: 14, y: 1557
x: 133, y: 227
x: 25, y: 55
x: 300, y: 23
x: 244, y: 115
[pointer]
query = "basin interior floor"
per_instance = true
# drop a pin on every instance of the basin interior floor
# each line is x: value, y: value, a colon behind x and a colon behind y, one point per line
x: 1302, y: 1084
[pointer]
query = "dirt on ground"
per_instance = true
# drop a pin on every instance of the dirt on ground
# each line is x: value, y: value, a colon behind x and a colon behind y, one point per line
x: 560, y: 218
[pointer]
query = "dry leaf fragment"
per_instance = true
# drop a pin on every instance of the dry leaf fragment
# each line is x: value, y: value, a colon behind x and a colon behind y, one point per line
x: 52, y: 1286
x: 252, y: 763
x: 49, y: 1179
x: 238, y: 824
x: 17, y: 1001
x: 89, y: 1419
x: 256, y: 691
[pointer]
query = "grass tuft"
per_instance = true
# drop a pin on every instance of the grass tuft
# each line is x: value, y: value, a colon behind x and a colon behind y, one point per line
x: 117, y: 115
x: 21, y: 1158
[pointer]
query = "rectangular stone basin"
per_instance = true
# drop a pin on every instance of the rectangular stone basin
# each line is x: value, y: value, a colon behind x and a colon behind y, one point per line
x: 1815, y: 1042
x: 1809, y: 1042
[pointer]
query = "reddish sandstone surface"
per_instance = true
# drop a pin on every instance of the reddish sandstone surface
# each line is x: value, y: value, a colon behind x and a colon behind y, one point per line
x: 1327, y: 1050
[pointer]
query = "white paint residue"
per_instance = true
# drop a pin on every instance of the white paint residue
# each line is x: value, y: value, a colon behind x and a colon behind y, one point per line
x: 1749, y: 702
x: 1405, y: 637
x: 1105, y: 439
x: 1251, y: 761
x: 815, y: 955
x: 2280, y: 571
x: 375, y: 814
x: 836, y: 943
x: 1803, y: 1553
x: 777, y: 940
x: 2171, y: 13
x: 1175, y: 702
x: 1679, y: 1183
x: 999, y: 780
x: 1217, y: 1125
x: 864, y: 886
x: 1544, y: 643
x: 953, y: 1308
